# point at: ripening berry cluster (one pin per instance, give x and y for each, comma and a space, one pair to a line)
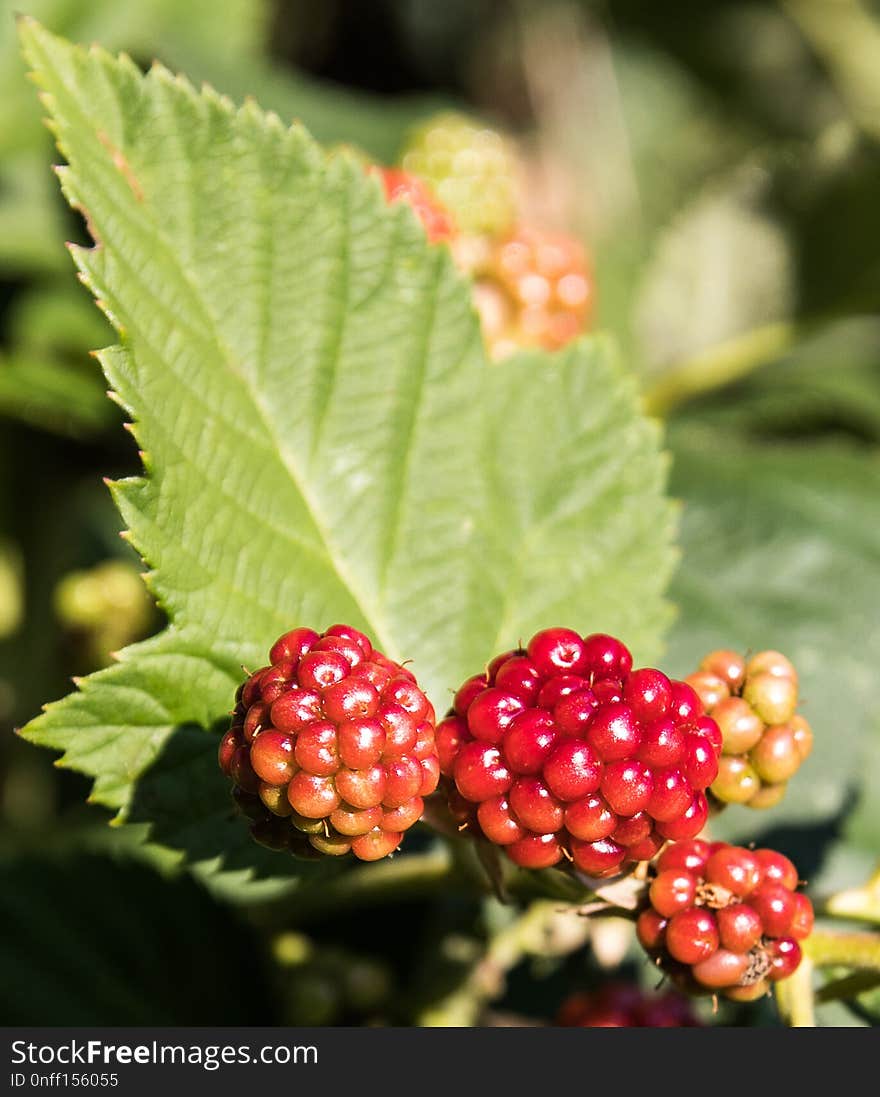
724, 919
331, 747
532, 288
562, 751
625, 1005
472, 170
764, 740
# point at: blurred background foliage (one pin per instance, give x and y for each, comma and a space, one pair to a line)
722, 167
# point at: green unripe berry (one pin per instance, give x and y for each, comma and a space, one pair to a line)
772, 697
775, 757
767, 796
740, 725
737, 781
470, 168
771, 662
708, 687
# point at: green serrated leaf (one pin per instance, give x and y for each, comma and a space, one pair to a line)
322, 435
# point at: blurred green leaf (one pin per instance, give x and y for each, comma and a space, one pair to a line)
827, 383
846, 34
323, 436
93, 941
782, 547
58, 397
722, 268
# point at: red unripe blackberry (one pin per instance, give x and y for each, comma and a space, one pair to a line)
376, 844
590, 819
402, 186
648, 693
498, 823
272, 757
775, 906
685, 704
491, 712
529, 740
535, 851
651, 930
727, 665
600, 858
607, 657
671, 795
785, 956
722, 969
633, 830
519, 676
662, 743
723, 917
230, 742
672, 891
331, 747
692, 935
564, 739
535, 806
777, 867
735, 869
572, 769
613, 732
739, 927
690, 856
801, 924
480, 772
561, 685
627, 786
295, 709
557, 651
621, 1005
689, 823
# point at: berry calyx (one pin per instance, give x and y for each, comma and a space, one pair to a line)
562, 752
725, 919
331, 747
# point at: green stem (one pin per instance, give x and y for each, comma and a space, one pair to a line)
395, 880
718, 366
530, 934
827, 948
794, 996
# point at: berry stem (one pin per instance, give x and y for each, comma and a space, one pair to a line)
719, 366
859, 903
850, 986
827, 948
543, 929
392, 880
794, 997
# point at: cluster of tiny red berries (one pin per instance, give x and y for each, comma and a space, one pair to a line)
402, 186
625, 1005
725, 919
331, 747
531, 287
562, 750
764, 740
